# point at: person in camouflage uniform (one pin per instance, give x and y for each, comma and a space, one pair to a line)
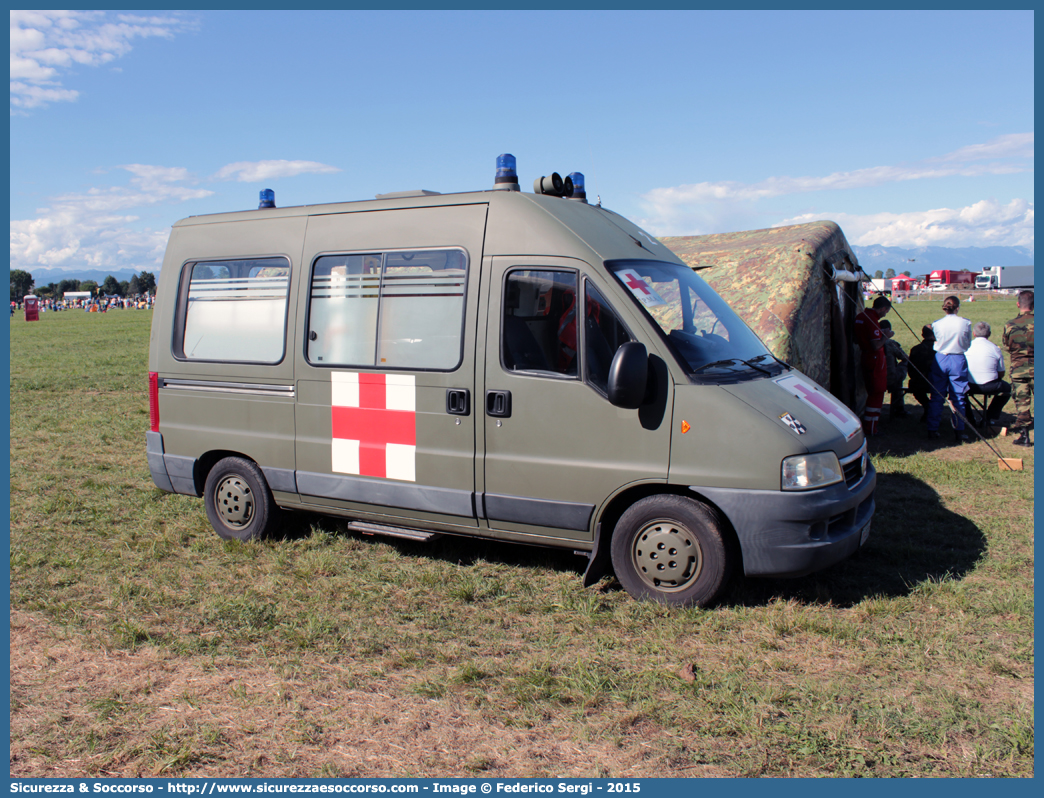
1018, 340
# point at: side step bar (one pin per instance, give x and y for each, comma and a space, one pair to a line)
393, 531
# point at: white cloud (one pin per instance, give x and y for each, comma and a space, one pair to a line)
1014, 145
716, 207
43, 43
96, 229
148, 176
986, 223
99, 227
958, 163
257, 171
35, 96
780, 186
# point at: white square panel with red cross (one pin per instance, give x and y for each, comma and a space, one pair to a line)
374, 425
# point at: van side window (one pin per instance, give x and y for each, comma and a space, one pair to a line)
422, 309
603, 335
343, 310
234, 310
390, 309
539, 330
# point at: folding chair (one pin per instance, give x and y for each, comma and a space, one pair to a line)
978, 402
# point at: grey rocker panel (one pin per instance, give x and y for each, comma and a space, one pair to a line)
386, 493
560, 515
541, 512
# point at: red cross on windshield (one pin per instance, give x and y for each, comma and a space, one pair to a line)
635, 283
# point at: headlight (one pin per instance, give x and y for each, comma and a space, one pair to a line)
807, 471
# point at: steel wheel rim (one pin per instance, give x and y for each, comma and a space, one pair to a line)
234, 501
666, 556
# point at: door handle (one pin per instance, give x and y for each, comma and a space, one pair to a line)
498, 404
458, 401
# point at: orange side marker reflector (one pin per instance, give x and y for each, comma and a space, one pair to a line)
685, 426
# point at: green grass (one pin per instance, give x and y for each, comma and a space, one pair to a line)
908, 317
914, 658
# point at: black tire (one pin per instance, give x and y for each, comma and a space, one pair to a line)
238, 501
671, 549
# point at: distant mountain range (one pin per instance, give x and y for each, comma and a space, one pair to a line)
42, 277
923, 260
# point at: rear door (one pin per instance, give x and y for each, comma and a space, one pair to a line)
224, 348
555, 449
385, 376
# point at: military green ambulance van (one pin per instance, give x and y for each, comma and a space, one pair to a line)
500, 364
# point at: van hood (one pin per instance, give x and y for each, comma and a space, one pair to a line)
737, 435
815, 417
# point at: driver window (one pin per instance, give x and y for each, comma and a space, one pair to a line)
539, 330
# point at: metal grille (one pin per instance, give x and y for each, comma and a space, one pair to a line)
853, 467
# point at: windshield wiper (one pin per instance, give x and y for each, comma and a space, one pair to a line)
729, 362
733, 361
783, 363
754, 360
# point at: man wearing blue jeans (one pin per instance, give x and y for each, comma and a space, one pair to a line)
950, 368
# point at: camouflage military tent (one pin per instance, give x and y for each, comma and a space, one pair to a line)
782, 282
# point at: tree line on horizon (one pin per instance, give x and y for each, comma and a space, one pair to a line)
888, 275
22, 284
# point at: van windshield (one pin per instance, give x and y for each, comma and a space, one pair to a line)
705, 333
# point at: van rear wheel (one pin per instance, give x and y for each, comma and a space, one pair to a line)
671, 549
238, 501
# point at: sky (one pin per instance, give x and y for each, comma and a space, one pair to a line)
908, 129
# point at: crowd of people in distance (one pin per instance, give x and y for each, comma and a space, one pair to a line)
145, 302
115, 303
954, 362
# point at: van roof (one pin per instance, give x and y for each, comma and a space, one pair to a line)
398, 199
518, 223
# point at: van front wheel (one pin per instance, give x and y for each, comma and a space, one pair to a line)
238, 501
671, 549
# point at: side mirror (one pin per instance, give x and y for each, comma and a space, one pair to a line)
628, 375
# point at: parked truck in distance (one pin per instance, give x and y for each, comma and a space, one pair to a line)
997, 277
948, 278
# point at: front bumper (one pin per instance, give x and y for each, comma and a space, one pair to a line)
783, 533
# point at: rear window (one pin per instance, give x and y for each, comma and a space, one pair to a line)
233, 310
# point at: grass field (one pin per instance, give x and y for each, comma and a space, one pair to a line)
142, 645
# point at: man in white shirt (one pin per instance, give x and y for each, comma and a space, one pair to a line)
950, 369
986, 368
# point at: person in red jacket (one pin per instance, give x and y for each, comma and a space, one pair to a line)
871, 342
